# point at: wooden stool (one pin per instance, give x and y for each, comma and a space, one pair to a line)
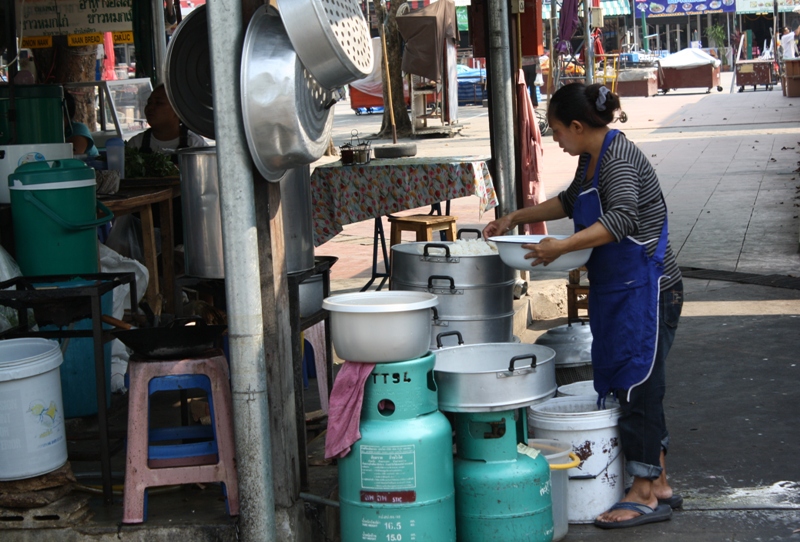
205, 462
577, 294
423, 225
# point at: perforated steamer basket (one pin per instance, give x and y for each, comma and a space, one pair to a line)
287, 114
331, 38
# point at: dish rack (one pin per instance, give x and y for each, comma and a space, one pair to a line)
356, 151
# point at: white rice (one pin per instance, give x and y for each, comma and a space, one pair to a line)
463, 247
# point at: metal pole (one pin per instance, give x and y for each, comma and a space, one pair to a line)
502, 102
240, 252
587, 20
159, 41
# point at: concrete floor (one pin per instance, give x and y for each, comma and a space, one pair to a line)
728, 164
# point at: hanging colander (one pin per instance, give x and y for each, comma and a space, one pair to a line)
331, 38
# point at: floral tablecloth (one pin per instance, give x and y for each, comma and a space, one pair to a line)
348, 194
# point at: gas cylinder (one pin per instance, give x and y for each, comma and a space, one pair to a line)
501, 494
396, 484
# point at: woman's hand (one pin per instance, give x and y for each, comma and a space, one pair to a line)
498, 227
545, 251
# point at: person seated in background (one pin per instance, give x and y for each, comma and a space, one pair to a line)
76, 132
166, 133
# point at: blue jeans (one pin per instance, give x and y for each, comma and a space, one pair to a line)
642, 426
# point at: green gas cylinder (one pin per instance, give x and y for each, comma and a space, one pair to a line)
396, 484
502, 495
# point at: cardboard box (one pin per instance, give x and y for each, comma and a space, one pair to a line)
793, 86
792, 67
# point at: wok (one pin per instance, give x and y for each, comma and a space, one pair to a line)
183, 337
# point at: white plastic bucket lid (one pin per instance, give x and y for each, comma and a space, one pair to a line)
576, 413
23, 358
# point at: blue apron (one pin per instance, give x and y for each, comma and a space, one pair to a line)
623, 297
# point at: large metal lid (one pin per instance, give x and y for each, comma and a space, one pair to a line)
572, 344
188, 75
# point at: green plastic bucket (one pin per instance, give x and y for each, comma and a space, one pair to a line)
39, 112
54, 209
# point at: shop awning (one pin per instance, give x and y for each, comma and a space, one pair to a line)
611, 8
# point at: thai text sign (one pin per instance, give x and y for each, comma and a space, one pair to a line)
80, 17
667, 8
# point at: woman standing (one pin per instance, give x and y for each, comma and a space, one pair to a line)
636, 292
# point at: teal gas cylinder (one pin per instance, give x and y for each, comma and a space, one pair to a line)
396, 484
501, 494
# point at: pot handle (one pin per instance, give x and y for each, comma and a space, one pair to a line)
441, 277
523, 356
447, 334
426, 254
470, 230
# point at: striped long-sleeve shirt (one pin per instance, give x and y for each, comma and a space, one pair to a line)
631, 198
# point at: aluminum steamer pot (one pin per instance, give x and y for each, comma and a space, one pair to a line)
476, 291
494, 376
287, 114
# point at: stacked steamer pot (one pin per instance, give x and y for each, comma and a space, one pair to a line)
476, 291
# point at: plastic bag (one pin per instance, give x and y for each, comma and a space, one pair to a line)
538, 80
9, 270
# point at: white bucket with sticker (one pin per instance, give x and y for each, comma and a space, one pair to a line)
32, 434
598, 481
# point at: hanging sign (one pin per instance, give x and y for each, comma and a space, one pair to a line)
40, 42
669, 8
122, 37
81, 40
79, 17
765, 6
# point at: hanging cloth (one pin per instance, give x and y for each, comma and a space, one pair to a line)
568, 22
623, 298
530, 154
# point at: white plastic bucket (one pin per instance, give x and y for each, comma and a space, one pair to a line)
557, 453
598, 482
32, 433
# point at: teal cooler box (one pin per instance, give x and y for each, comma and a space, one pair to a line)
39, 113
54, 208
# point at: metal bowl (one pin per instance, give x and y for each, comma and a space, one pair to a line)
513, 254
331, 37
381, 327
287, 114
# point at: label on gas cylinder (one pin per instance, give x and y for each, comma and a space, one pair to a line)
388, 528
388, 467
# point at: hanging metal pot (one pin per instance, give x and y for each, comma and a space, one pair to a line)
187, 78
287, 114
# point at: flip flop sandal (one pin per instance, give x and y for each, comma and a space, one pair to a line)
662, 512
674, 502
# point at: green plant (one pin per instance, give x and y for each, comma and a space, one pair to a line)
716, 33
